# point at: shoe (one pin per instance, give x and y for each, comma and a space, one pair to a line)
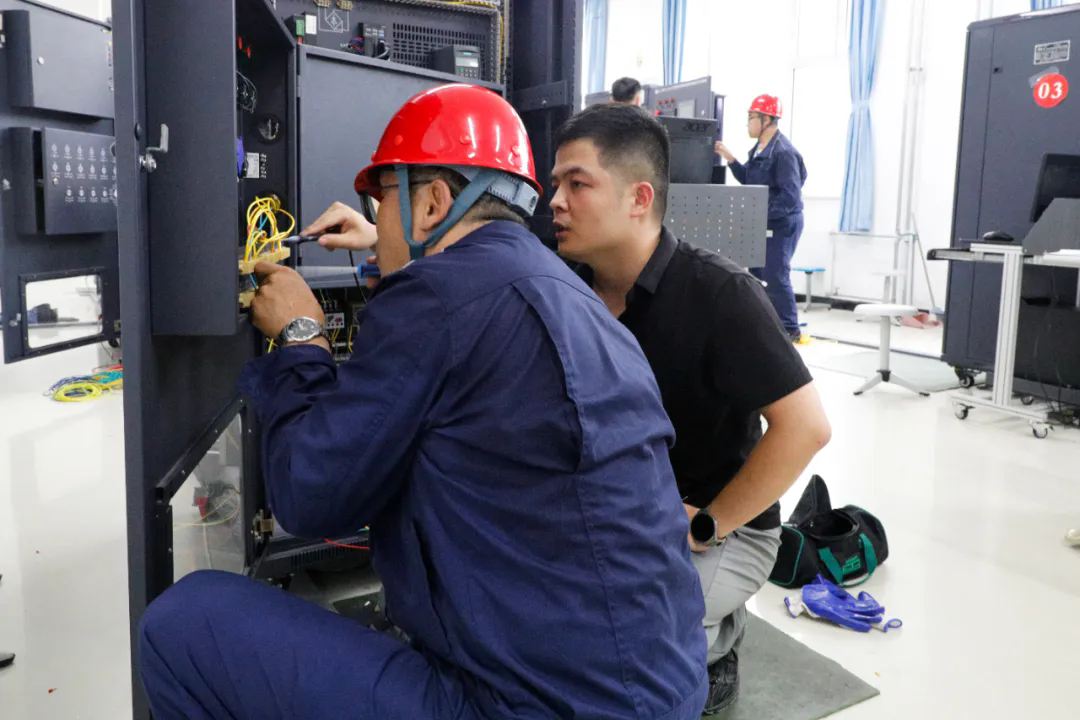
6, 659
723, 683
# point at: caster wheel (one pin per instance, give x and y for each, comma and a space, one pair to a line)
1040, 431
1027, 399
961, 412
966, 381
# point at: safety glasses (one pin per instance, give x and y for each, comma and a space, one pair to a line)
369, 200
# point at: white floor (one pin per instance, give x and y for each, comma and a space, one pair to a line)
975, 512
845, 326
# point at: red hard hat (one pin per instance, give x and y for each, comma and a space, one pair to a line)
453, 125
768, 105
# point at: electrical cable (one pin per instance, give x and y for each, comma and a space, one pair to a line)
232, 498
81, 388
352, 262
343, 545
262, 227
247, 95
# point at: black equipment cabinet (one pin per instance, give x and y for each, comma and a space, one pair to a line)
57, 201
1005, 137
189, 65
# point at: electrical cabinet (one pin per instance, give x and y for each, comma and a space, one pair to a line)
1006, 131
57, 181
264, 99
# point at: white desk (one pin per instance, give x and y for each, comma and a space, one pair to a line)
1013, 259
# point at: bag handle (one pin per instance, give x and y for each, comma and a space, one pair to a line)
837, 572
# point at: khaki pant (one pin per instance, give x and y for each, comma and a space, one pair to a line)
730, 575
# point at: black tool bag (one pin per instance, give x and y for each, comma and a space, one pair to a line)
845, 545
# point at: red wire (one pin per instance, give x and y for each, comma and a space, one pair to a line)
351, 547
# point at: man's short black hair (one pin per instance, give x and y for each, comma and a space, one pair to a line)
625, 90
630, 141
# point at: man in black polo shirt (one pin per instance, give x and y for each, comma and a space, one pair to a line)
721, 358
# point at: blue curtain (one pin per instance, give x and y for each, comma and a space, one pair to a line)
857, 201
674, 36
596, 32
1046, 4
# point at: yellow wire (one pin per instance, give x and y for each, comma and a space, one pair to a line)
258, 239
86, 391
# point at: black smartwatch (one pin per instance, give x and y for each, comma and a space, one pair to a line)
703, 529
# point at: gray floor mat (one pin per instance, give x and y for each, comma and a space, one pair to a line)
782, 679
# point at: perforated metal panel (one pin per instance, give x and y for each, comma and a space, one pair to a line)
413, 27
729, 220
410, 44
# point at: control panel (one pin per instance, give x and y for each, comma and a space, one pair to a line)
691, 99
65, 181
460, 60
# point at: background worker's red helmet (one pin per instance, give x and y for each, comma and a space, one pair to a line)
768, 105
457, 126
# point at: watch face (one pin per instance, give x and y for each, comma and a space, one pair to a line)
703, 528
301, 329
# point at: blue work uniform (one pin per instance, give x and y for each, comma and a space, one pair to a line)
781, 168
504, 437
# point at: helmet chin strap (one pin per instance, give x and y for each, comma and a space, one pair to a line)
464, 202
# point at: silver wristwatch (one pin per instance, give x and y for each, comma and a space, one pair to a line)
302, 329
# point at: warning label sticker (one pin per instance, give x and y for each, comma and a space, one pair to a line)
1048, 53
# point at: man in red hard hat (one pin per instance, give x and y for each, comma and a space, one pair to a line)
505, 440
776, 163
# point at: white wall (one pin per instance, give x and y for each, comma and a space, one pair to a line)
634, 41
97, 9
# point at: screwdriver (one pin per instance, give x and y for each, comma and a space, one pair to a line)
301, 239
321, 272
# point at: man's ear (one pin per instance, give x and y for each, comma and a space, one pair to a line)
644, 195
431, 204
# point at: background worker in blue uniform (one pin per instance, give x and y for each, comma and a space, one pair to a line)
505, 440
721, 358
775, 162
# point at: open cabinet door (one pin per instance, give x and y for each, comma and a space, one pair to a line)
191, 442
58, 261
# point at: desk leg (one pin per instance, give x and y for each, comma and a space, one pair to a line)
1008, 324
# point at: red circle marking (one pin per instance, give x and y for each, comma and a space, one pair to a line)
1051, 90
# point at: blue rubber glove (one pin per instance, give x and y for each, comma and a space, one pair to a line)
823, 599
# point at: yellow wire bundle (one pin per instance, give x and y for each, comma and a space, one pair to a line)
87, 387
262, 227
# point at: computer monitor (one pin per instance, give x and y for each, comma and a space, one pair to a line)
597, 98
692, 149
1058, 178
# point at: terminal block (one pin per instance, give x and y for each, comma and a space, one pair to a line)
247, 267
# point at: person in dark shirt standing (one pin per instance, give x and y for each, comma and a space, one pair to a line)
775, 162
720, 355
627, 91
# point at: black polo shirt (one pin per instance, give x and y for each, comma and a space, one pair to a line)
719, 354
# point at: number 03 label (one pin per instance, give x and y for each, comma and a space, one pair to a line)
1051, 90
